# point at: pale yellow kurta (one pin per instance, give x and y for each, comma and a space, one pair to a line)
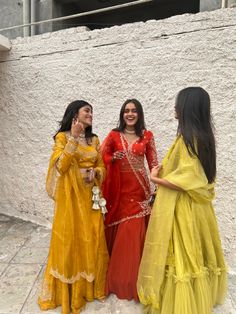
78, 257
182, 269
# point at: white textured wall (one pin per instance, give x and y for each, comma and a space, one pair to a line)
150, 61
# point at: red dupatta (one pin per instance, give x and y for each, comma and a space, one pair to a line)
112, 184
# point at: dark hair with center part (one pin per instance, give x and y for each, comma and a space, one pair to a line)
140, 124
195, 125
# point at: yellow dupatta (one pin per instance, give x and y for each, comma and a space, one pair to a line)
72, 245
186, 172
78, 256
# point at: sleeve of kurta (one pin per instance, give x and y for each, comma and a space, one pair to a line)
151, 152
189, 173
65, 151
107, 149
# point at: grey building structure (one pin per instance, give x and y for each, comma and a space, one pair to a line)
18, 12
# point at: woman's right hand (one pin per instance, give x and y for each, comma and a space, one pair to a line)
119, 154
76, 128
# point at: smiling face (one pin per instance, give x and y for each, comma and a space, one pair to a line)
130, 115
85, 115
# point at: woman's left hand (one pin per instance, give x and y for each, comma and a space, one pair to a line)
89, 178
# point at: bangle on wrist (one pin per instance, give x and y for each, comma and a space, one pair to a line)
72, 138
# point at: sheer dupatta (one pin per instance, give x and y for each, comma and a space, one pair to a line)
186, 172
127, 187
73, 208
111, 185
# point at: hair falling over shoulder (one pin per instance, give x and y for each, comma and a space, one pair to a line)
195, 126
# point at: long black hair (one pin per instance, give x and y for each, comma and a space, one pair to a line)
140, 125
195, 125
71, 113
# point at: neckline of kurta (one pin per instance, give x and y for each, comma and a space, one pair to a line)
129, 144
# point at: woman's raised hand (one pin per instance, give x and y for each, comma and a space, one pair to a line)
76, 128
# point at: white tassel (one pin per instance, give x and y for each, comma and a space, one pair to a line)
96, 197
96, 205
102, 204
97, 201
95, 190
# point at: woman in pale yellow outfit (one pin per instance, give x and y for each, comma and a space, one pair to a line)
78, 257
182, 269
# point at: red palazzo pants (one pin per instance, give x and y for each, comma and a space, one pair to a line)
125, 243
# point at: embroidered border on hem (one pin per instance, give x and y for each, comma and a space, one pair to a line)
139, 215
73, 279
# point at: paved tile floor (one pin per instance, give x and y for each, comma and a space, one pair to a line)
23, 253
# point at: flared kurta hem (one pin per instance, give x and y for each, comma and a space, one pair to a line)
195, 293
71, 297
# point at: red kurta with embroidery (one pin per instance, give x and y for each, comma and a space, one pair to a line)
126, 187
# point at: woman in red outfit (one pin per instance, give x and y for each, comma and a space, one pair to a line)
127, 191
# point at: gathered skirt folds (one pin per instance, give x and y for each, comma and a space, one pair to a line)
195, 277
72, 294
125, 243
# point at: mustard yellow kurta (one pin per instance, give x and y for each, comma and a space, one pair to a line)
182, 269
78, 257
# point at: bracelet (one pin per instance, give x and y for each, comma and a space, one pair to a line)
72, 138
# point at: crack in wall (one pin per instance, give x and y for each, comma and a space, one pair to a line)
161, 36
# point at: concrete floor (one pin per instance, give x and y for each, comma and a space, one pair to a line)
23, 253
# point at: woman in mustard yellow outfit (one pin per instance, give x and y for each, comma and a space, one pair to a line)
78, 257
183, 269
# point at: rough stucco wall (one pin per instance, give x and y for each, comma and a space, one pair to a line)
150, 61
